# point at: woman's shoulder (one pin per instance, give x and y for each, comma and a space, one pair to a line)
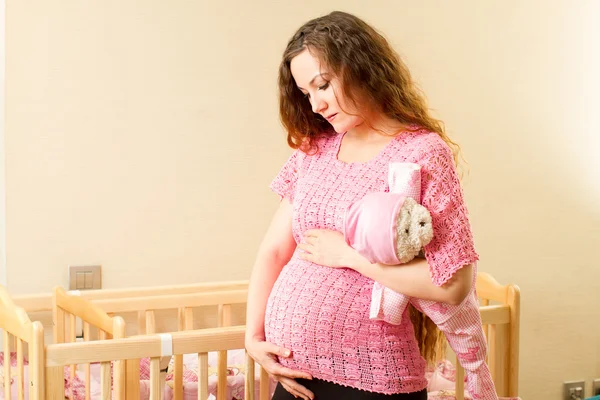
423, 144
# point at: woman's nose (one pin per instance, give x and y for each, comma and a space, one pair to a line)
318, 104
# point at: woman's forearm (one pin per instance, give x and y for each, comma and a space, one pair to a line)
413, 279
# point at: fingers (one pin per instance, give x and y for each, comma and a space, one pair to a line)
308, 257
296, 389
284, 372
276, 350
291, 390
306, 247
275, 368
266, 353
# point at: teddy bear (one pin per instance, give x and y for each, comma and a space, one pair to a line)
407, 225
392, 228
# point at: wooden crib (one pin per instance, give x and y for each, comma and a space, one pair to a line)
69, 306
499, 311
96, 311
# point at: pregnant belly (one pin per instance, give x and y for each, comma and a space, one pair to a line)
321, 314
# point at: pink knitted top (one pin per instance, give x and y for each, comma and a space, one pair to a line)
322, 313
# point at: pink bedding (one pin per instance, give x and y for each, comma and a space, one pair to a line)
14, 384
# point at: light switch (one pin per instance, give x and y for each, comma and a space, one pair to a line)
80, 280
89, 280
85, 277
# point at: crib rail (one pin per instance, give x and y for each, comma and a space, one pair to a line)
199, 342
17, 332
43, 302
172, 301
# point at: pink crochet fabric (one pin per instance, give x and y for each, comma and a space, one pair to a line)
322, 313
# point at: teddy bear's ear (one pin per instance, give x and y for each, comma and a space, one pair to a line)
409, 203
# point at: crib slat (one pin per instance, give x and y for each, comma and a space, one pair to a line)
6, 364
224, 319
150, 322
55, 383
222, 375
162, 383
119, 366
203, 376
498, 351
105, 382
492, 352
88, 375
37, 363
178, 363
72, 326
511, 371
264, 385
460, 381
132, 379
189, 318
224, 315
141, 322
71, 339
20, 370
178, 377
59, 325
186, 323
249, 384
133, 366
155, 379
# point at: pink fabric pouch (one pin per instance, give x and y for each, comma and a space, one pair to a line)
370, 226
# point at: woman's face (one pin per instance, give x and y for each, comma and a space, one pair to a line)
320, 87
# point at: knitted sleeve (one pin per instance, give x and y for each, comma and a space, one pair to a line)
452, 246
284, 183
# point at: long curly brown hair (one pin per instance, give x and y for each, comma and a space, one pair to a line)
375, 79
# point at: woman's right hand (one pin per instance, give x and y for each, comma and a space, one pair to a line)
265, 354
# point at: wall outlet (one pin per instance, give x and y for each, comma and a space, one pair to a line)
574, 390
596, 387
85, 277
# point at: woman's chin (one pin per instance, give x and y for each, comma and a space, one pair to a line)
339, 128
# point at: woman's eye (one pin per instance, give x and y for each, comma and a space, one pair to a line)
325, 86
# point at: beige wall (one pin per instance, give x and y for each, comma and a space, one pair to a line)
2, 151
143, 136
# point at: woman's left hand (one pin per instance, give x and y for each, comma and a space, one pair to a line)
327, 248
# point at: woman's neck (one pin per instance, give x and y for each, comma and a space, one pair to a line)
375, 128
